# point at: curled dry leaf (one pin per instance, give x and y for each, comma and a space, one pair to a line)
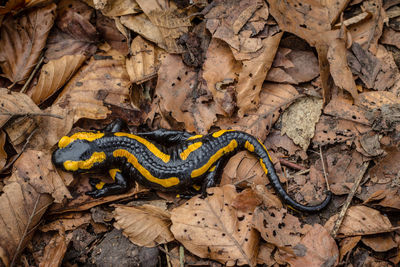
102, 82
361, 220
18, 103
53, 76
181, 94
317, 248
274, 98
144, 225
221, 232
21, 208
22, 41
298, 121
145, 60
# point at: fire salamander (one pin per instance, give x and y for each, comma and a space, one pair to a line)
181, 163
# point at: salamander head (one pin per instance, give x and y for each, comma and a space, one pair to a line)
77, 155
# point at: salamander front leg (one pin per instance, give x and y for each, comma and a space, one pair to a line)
102, 189
115, 126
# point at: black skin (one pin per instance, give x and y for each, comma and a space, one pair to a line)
173, 143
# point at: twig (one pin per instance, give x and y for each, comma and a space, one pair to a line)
346, 205
167, 255
303, 172
32, 114
181, 256
323, 168
24, 88
291, 165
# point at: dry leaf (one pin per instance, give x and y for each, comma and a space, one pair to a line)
380, 243
145, 61
265, 254
220, 232
298, 121
108, 28
361, 220
22, 41
253, 74
55, 249
102, 82
274, 98
144, 225
116, 8
343, 108
67, 223
53, 76
3, 154
317, 248
347, 244
390, 37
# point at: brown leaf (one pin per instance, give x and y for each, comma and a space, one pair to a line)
246, 201
99, 84
343, 108
182, 95
253, 74
279, 227
390, 37
67, 223
265, 254
55, 249
116, 7
298, 121
380, 243
3, 154
347, 244
22, 41
361, 220
11, 5
144, 225
144, 62
220, 231
21, 208
274, 98
53, 76
316, 248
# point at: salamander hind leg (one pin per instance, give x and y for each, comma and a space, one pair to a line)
212, 176
101, 189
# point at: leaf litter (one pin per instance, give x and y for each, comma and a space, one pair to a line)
243, 65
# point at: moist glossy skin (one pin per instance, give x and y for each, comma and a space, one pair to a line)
163, 160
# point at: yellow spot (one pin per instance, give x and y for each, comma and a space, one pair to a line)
249, 146
195, 137
66, 140
212, 169
167, 182
220, 132
153, 149
100, 185
203, 169
263, 166
96, 157
185, 153
113, 172
196, 187
178, 196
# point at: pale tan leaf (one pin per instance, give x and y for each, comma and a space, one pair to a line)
221, 232
53, 76
102, 82
144, 225
298, 121
145, 61
361, 220
22, 41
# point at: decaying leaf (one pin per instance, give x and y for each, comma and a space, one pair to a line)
316, 248
380, 243
220, 231
298, 121
53, 76
145, 61
22, 41
145, 225
361, 220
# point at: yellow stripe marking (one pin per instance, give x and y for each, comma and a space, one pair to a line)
96, 157
212, 169
167, 182
196, 187
249, 146
185, 153
195, 137
66, 140
266, 150
100, 185
153, 149
263, 166
229, 148
113, 172
220, 132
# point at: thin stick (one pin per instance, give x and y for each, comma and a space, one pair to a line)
323, 168
32, 114
25, 87
346, 205
291, 164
